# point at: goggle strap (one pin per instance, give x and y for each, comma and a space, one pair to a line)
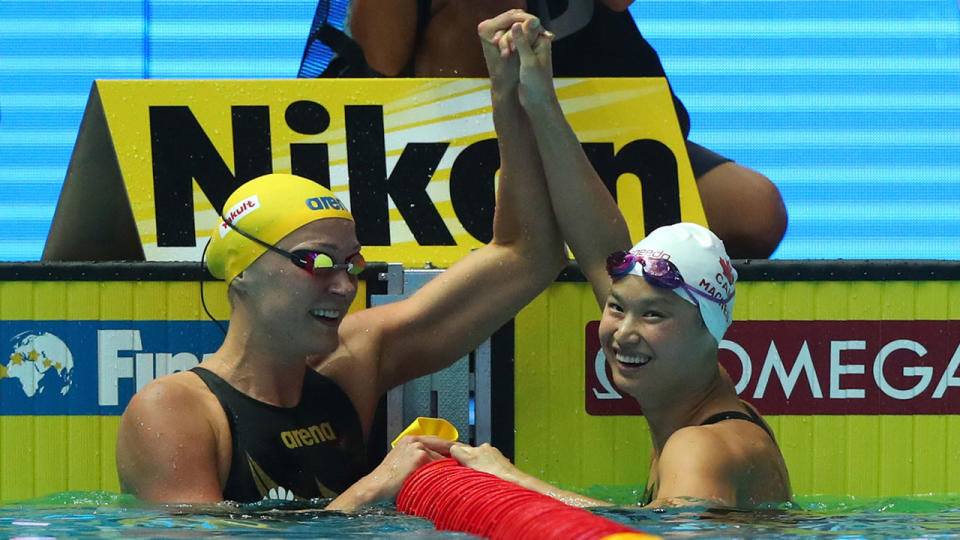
351, 268
271, 247
710, 297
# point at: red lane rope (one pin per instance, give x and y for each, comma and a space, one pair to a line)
458, 498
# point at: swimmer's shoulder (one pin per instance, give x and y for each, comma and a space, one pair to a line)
173, 441
700, 448
735, 440
177, 402
355, 364
360, 340
181, 389
695, 464
717, 462
756, 462
723, 449
363, 337
735, 451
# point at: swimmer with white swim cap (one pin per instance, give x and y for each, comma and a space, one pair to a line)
284, 408
667, 302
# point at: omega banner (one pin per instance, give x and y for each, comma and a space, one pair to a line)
415, 160
820, 367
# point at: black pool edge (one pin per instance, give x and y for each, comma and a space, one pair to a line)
747, 269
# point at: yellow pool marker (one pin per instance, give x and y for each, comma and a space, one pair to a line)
629, 536
424, 425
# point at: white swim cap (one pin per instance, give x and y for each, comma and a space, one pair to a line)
704, 265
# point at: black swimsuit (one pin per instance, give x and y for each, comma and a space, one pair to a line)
750, 416
313, 450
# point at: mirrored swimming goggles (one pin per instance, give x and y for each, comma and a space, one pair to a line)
660, 273
314, 262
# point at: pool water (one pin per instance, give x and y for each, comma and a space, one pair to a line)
108, 515
807, 517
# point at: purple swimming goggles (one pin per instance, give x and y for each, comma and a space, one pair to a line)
658, 272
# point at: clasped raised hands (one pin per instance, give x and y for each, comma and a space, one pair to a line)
517, 50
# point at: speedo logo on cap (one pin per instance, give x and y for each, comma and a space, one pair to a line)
653, 253
238, 212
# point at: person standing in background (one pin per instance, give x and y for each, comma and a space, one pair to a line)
593, 38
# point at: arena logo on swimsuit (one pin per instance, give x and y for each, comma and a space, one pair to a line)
308, 436
822, 367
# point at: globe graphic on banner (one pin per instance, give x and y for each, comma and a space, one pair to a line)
41, 362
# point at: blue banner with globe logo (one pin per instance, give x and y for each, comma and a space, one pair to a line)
93, 367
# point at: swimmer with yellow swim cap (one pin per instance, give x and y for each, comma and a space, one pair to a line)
667, 302
263, 211
284, 408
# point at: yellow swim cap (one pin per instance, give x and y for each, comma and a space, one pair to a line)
268, 208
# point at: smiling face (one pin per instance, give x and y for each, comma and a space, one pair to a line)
653, 339
290, 310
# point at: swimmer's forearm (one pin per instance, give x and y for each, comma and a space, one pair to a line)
486, 458
523, 212
523, 218
535, 484
590, 221
360, 493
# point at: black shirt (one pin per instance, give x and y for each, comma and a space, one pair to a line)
593, 40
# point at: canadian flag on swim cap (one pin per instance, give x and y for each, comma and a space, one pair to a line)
703, 262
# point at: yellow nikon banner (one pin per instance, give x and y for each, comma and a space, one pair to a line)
415, 159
